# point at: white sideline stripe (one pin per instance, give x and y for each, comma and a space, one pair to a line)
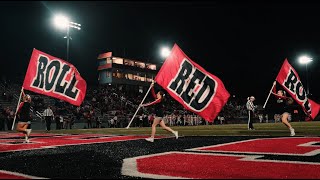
252, 158
21, 175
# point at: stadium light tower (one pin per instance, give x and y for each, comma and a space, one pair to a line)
306, 60
63, 22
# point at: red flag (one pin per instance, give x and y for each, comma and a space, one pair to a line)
191, 85
54, 77
290, 81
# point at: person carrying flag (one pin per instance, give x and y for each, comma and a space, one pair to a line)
283, 103
25, 116
158, 106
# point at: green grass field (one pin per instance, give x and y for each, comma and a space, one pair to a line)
262, 129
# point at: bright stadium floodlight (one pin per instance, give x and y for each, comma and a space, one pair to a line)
165, 52
63, 22
305, 60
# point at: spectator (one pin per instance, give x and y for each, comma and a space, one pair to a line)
2, 119
10, 118
112, 123
67, 122
98, 122
141, 120
87, 116
48, 115
61, 121
145, 120
115, 118
58, 124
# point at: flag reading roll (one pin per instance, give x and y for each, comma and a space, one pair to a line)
191, 85
289, 79
54, 77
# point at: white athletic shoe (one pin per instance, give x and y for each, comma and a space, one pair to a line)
150, 139
176, 134
26, 139
292, 133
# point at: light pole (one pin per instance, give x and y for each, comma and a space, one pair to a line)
306, 60
63, 22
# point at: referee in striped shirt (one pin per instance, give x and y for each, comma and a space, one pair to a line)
48, 115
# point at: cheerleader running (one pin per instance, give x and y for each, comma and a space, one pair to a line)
158, 114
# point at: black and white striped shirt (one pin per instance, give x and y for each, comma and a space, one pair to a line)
47, 112
250, 105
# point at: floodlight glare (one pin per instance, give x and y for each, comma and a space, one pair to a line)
305, 60
165, 52
61, 21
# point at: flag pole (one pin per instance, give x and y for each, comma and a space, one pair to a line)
274, 83
15, 114
139, 106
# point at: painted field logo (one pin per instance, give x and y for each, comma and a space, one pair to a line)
51, 77
193, 86
248, 159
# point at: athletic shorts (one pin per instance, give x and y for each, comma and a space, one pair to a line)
158, 117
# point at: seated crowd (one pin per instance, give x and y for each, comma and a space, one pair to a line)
114, 106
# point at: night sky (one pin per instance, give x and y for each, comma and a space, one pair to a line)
243, 43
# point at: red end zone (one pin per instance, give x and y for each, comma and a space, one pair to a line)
14, 175
210, 165
216, 166
14, 141
299, 146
